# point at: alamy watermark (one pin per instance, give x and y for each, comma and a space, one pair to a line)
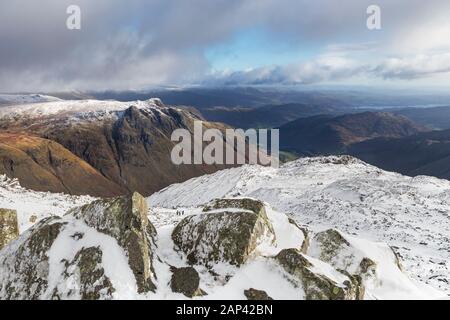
73, 22
374, 17
236, 147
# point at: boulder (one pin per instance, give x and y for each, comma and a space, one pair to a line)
186, 281
125, 219
9, 229
258, 295
318, 280
229, 234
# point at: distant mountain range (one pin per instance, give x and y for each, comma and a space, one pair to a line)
389, 141
269, 116
425, 153
254, 97
328, 135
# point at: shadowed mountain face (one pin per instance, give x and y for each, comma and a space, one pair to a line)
426, 153
126, 150
327, 135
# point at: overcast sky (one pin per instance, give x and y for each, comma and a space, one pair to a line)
136, 44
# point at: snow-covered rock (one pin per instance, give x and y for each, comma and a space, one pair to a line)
102, 250
318, 280
125, 219
108, 249
229, 231
375, 265
411, 215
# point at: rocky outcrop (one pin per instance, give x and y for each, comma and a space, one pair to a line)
317, 284
125, 219
107, 250
332, 247
87, 254
225, 235
258, 295
365, 262
9, 229
25, 266
186, 281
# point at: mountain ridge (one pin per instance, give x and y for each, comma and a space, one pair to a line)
124, 142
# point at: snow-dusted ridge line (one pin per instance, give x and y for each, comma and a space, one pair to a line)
78, 108
15, 99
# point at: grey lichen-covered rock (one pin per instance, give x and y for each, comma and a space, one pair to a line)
125, 219
9, 229
87, 266
258, 295
186, 281
316, 285
25, 265
228, 234
253, 205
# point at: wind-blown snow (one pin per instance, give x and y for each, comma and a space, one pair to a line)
410, 214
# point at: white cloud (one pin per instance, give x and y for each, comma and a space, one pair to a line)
133, 44
414, 67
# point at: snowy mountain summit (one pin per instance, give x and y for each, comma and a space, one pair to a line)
232, 248
409, 214
316, 228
